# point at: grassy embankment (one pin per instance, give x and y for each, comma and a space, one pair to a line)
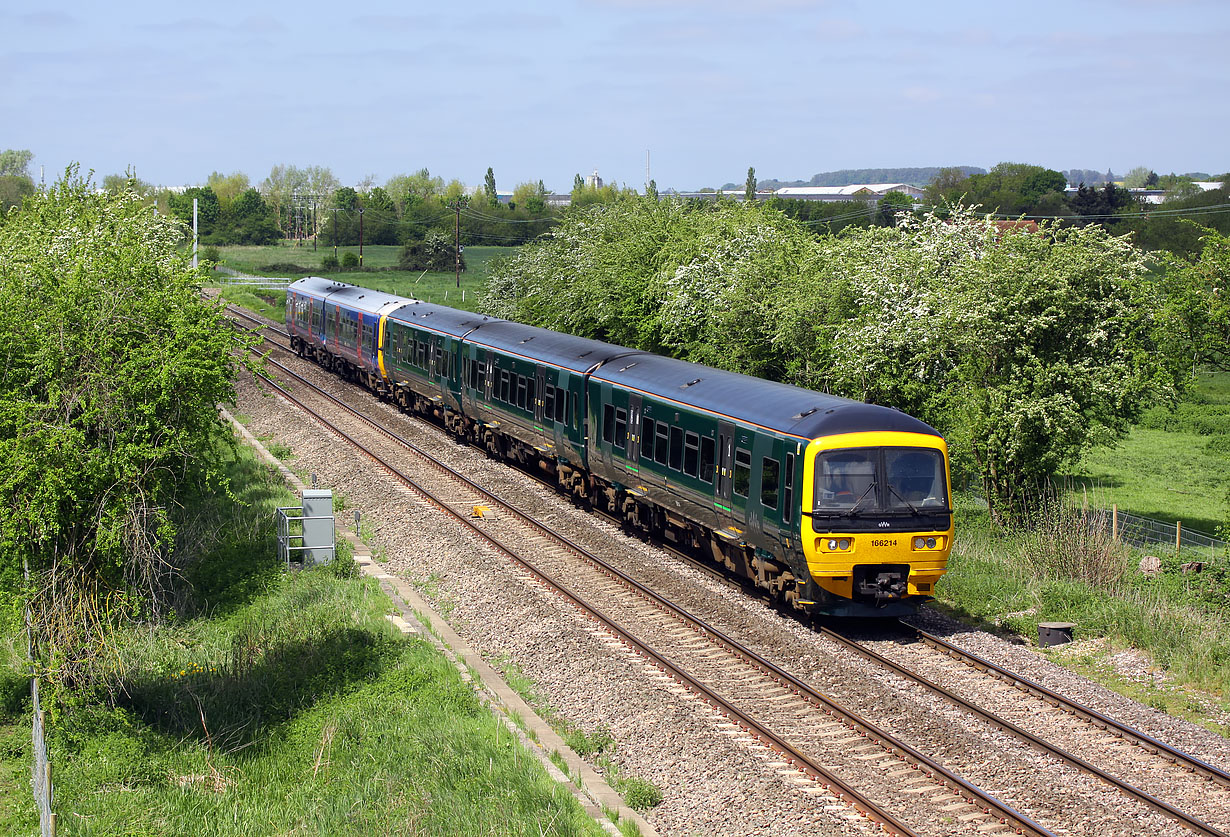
1174, 466
431, 287
277, 703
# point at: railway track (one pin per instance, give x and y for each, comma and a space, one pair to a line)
817, 740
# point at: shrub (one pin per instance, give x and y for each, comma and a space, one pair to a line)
211, 254
349, 260
330, 262
435, 252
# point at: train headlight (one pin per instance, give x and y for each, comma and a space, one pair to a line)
832, 545
919, 543
843, 544
930, 543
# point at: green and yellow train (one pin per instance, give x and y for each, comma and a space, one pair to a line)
835, 507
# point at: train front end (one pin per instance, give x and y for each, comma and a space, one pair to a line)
877, 521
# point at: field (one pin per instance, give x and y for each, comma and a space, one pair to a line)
1174, 466
432, 287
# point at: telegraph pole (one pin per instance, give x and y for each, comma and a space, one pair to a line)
335, 233
457, 238
360, 236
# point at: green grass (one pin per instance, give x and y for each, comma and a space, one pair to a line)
1175, 466
1004, 581
279, 703
432, 287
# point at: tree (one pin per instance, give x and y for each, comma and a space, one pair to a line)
948, 186
1139, 178
493, 199
891, 205
13, 190
379, 218
435, 252
651, 191
1197, 303
1012, 188
209, 210
749, 187
407, 190
114, 366
578, 182
228, 186
14, 163
248, 220
1024, 347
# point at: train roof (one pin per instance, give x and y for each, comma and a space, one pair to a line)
352, 296
577, 354
441, 318
780, 407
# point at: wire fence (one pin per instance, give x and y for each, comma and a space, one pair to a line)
1146, 531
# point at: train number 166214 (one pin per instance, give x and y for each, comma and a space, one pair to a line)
883, 541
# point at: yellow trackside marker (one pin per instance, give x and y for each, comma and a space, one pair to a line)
480, 512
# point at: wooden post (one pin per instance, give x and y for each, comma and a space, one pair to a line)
1178, 535
1114, 522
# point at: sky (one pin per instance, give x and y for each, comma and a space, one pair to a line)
701, 89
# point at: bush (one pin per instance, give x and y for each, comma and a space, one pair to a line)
349, 260
435, 252
330, 262
211, 254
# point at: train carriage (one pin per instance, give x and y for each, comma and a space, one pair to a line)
339, 325
421, 356
747, 471
535, 389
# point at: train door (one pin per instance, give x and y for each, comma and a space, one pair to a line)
540, 395
633, 451
725, 470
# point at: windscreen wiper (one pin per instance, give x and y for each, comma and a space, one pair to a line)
908, 504
850, 511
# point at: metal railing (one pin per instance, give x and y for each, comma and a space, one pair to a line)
291, 539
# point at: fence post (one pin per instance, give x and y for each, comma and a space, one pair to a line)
1114, 522
1178, 535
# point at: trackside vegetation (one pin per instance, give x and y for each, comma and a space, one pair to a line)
113, 364
278, 703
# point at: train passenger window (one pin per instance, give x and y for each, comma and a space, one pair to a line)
576, 413
608, 423
548, 401
706, 459
521, 391
561, 406
621, 428
788, 487
662, 448
743, 472
691, 454
770, 474
531, 387
646, 438
504, 386
676, 460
